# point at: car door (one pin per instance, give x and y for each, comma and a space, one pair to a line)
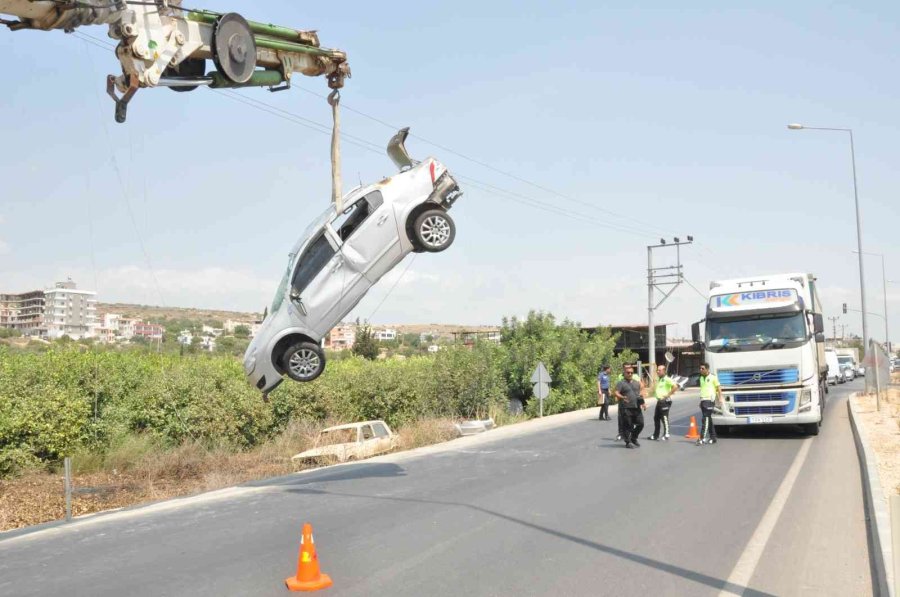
369, 441
318, 283
383, 436
374, 245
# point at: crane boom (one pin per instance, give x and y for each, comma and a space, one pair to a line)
162, 44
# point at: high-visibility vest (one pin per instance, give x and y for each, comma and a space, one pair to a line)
709, 386
663, 386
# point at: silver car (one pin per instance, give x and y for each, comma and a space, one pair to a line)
341, 255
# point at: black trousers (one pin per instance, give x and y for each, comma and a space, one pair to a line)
634, 424
661, 418
707, 429
604, 408
621, 420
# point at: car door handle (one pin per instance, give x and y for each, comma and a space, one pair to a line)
337, 265
383, 219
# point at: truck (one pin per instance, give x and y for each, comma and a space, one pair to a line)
764, 340
850, 356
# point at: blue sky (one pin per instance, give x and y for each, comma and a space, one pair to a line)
661, 121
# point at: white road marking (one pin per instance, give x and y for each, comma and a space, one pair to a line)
746, 565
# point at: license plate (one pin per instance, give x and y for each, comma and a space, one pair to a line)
760, 420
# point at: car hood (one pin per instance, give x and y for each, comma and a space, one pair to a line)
337, 450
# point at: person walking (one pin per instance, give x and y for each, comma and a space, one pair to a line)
665, 387
621, 409
603, 392
710, 398
631, 403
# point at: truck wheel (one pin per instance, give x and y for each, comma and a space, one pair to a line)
811, 429
303, 361
434, 230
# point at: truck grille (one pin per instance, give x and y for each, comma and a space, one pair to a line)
730, 377
765, 409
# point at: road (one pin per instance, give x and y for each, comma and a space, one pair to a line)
561, 510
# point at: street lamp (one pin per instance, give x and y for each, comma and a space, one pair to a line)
862, 278
884, 281
657, 277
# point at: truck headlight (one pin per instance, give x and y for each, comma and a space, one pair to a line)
805, 397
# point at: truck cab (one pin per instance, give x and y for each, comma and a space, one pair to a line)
763, 340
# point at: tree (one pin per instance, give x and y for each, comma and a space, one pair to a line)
365, 344
241, 331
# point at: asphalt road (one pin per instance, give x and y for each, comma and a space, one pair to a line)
561, 510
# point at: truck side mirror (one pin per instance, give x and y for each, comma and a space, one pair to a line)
818, 323
695, 332
820, 337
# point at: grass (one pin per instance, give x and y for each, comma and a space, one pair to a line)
139, 468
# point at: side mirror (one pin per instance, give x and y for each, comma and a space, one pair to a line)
818, 323
820, 337
295, 297
695, 332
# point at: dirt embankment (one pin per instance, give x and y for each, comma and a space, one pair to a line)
882, 430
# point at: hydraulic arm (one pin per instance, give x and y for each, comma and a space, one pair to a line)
162, 44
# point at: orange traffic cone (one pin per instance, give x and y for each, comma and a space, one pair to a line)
308, 576
692, 431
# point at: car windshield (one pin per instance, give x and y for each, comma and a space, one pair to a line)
337, 436
756, 333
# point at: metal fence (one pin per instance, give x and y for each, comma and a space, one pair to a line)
878, 370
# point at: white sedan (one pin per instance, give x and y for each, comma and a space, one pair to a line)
341, 255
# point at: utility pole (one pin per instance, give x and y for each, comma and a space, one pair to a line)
834, 327
657, 277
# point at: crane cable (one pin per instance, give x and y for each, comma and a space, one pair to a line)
334, 100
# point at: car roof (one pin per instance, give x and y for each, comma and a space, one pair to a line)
352, 425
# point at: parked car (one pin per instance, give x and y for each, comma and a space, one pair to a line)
353, 441
341, 255
849, 373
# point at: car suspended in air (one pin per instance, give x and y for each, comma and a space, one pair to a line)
342, 254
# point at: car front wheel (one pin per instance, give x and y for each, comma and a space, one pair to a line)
303, 361
434, 230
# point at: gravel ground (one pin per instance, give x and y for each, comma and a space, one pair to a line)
883, 432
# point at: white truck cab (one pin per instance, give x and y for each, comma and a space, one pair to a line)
764, 341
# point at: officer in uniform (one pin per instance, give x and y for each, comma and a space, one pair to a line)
628, 391
710, 397
665, 387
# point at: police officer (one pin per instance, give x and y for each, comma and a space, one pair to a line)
665, 387
710, 397
603, 392
631, 403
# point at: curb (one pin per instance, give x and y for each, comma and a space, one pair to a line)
878, 518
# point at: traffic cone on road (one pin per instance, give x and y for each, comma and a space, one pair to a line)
692, 431
308, 576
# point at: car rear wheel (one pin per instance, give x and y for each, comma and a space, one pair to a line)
434, 230
303, 361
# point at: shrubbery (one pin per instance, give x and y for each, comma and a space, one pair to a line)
74, 398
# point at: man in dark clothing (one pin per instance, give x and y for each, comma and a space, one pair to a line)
603, 392
628, 391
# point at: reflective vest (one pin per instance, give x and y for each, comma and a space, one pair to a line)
709, 387
663, 386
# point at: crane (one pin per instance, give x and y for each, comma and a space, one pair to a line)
161, 44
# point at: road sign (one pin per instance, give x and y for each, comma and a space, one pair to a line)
541, 380
541, 390
540, 374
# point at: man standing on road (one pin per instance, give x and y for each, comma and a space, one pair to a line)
665, 387
628, 391
710, 398
603, 392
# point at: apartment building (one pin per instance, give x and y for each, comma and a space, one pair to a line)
342, 337
386, 335
69, 311
23, 312
151, 331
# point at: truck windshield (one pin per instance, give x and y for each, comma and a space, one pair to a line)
760, 332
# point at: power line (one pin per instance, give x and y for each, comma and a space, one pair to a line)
688, 282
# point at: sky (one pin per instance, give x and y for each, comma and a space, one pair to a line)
581, 131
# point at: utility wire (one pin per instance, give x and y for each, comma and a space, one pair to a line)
688, 282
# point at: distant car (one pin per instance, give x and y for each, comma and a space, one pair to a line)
353, 441
849, 373
341, 255
861, 371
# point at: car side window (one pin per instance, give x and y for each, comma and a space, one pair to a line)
349, 220
367, 432
380, 431
311, 263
